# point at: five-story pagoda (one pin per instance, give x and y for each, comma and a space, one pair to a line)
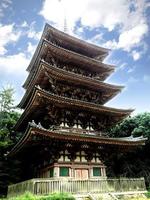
64, 120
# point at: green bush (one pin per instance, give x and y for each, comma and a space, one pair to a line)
58, 196
148, 193
26, 196
55, 196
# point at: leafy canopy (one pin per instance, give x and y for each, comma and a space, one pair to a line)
6, 99
8, 118
137, 125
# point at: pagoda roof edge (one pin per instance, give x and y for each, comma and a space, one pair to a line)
43, 43
73, 74
23, 139
81, 105
75, 39
34, 128
76, 100
106, 66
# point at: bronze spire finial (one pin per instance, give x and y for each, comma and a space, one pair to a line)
65, 29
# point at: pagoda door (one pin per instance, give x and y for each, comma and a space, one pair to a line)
81, 173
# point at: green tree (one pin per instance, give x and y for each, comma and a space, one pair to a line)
137, 162
8, 118
6, 99
137, 125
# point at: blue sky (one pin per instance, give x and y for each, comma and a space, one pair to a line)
120, 25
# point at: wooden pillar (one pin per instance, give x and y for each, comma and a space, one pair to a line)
90, 172
103, 171
72, 172
56, 171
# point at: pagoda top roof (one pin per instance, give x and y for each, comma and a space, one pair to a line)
34, 129
46, 46
74, 43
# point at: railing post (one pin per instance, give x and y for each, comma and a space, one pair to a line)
46, 186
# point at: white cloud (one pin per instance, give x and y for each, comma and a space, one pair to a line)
94, 13
34, 35
24, 24
131, 38
13, 70
98, 38
55, 11
31, 48
128, 18
3, 6
31, 33
14, 64
108, 14
91, 13
111, 44
136, 55
7, 35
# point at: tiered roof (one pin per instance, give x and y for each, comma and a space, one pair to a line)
61, 39
34, 129
45, 70
41, 98
61, 62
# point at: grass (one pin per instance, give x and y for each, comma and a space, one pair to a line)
55, 196
64, 196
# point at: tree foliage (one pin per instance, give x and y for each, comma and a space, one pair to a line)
6, 99
8, 138
136, 126
137, 162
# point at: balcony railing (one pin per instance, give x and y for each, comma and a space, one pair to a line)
47, 186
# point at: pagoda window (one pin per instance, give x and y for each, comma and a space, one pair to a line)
96, 171
64, 171
51, 172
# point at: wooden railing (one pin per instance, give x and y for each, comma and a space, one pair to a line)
46, 186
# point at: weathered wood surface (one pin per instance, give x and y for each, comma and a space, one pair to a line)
46, 186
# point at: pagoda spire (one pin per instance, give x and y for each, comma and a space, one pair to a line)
65, 28
65, 24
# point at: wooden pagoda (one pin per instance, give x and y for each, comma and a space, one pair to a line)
64, 121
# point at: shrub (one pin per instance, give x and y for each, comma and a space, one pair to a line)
55, 196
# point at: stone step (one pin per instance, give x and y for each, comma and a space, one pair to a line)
110, 195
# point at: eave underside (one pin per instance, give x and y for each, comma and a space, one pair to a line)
42, 99
46, 71
46, 48
71, 42
35, 133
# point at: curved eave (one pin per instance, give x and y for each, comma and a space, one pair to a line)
35, 130
60, 74
37, 51
86, 105
38, 94
76, 58
73, 41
